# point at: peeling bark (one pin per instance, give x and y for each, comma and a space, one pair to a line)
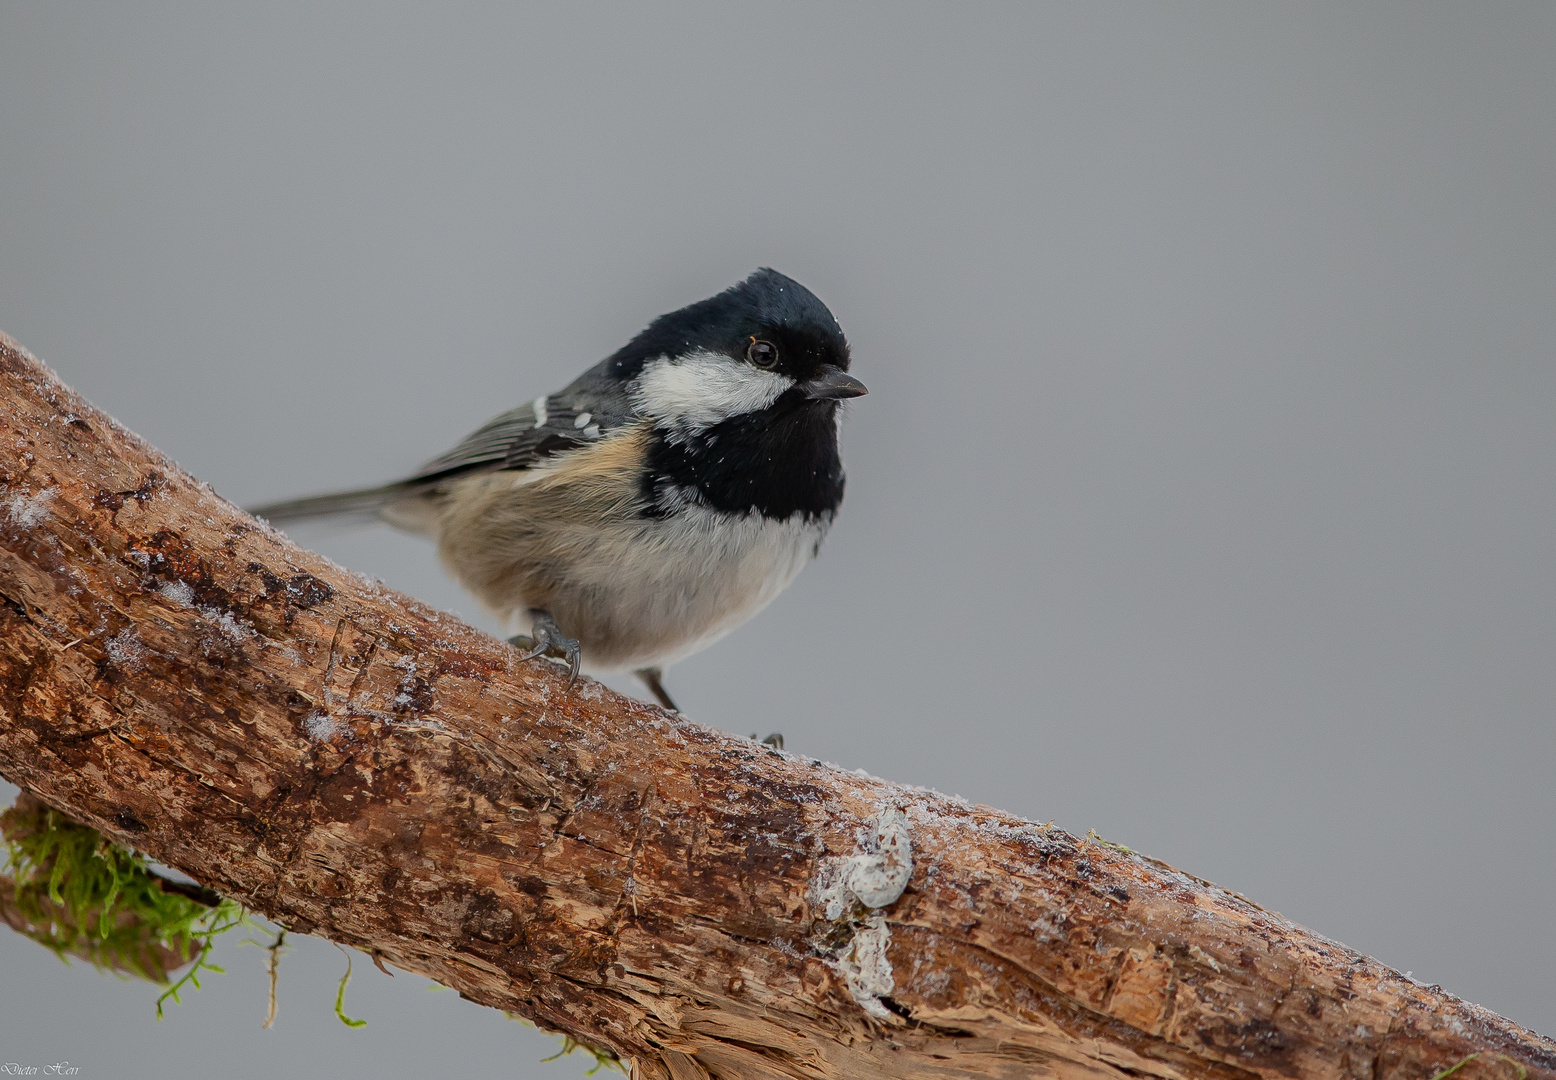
356, 765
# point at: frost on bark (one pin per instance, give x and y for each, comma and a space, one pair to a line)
356, 765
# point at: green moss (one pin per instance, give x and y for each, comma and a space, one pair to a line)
67, 887
340, 997
1523, 1073
73, 891
1092, 836
603, 1059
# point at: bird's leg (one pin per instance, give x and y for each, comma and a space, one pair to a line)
651, 677
545, 637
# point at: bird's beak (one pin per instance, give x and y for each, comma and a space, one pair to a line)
833, 383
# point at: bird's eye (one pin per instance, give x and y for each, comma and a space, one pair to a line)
762, 353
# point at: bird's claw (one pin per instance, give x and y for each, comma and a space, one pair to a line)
546, 639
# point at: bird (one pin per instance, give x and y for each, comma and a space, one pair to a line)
658, 501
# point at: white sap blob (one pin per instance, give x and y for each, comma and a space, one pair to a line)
875, 878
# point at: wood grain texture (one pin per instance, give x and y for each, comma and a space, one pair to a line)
356, 765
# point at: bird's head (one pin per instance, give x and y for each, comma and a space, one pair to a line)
765, 344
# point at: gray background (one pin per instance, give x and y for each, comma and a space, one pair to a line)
1203, 496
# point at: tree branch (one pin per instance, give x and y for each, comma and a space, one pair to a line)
356, 765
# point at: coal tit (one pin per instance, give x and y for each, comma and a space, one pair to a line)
664, 497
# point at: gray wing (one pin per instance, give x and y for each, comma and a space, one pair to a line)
585, 412
588, 410
488, 446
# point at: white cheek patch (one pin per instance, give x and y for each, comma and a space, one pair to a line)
693, 392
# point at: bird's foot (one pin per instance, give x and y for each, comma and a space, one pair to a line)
652, 677
546, 639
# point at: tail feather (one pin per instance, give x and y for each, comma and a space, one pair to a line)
361, 505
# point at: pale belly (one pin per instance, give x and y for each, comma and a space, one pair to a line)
636, 592
678, 585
